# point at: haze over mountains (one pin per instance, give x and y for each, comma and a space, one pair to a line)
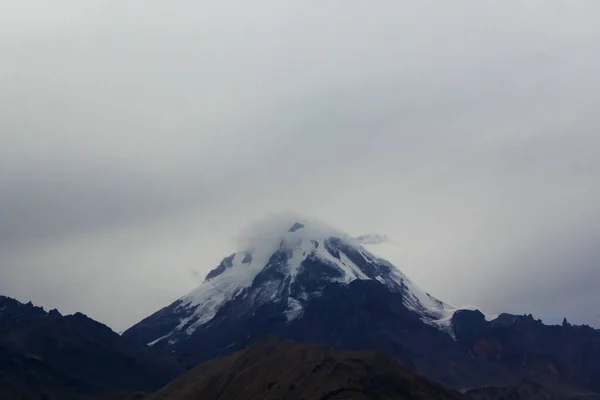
454, 144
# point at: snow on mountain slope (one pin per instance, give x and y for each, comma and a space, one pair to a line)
290, 260
383, 246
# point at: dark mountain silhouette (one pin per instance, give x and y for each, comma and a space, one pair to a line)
564, 358
57, 356
14, 314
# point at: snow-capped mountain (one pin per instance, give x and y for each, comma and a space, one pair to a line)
304, 280
290, 263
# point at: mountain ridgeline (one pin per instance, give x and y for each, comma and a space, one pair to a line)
45, 355
303, 311
311, 283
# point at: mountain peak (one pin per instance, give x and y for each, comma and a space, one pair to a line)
273, 229
296, 226
285, 263
279, 244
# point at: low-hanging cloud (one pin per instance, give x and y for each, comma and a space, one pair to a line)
137, 141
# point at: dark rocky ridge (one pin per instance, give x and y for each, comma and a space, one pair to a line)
57, 356
564, 358
15, 315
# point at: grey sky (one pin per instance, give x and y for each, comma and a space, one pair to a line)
138, 138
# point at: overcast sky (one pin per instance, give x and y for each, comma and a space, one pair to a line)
138, 138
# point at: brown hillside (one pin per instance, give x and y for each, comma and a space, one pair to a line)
280, 369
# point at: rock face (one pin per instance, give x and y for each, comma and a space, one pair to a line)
15, 315
276, 369
563, 358
311, 283
47, 354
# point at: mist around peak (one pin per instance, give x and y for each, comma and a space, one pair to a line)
272, 229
